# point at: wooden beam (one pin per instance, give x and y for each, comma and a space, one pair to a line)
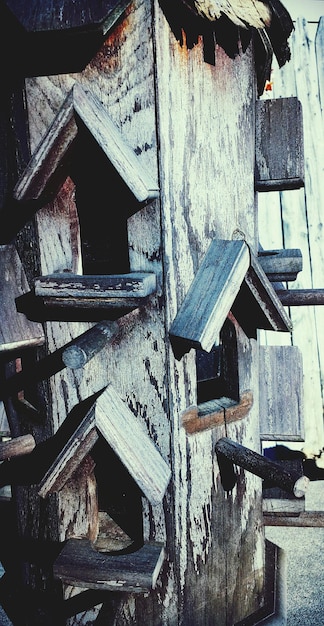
80, 565
303, 519
301, 297
212, 293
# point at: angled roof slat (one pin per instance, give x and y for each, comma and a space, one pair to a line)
49, 165
228, 279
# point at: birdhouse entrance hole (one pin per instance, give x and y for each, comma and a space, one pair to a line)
217, 370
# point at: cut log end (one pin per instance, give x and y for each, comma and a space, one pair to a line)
301, 486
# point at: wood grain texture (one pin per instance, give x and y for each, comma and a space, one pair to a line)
80, 565
279, 144
282, 377
119, 286
16, 331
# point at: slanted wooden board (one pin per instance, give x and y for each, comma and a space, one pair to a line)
211, 294
127, 437
80, 565
281, 265
279, 145
257, 304
228, 279
16, 330
49, 165
281, 393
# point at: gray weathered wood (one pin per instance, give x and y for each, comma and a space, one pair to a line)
281, 265
48, 167
281, 378
87, 345
70, 457
80, 565
17, 446
301, 297
279, 144
216, 290
291, 481
135, 284
212, 294
127, 437
16, 330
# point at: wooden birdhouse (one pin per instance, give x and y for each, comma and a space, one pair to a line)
135, 216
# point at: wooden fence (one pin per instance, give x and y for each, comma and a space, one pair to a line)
295, 219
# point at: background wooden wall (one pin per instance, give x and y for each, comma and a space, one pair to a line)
294, 219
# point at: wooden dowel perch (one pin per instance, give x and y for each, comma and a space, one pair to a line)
87, 345
301, 297
288, 480
17, 447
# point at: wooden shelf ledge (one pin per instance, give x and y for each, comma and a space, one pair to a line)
80, 565
215, 413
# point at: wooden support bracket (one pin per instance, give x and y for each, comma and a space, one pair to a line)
230, 453
80, 565
301, 297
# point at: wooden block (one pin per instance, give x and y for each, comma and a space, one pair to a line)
281, 393
49, 165
281, 265
127, 437
80, 565
135, 284
211, 294
16, 330
279, 144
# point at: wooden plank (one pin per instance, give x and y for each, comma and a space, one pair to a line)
304, 519
212, 292
74, 450
117, 150
281, 265
257, 304
127, 437
16, 330
281, 393
319, 51
200, 418
135, 284
279, 144
47, 168
79, 564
